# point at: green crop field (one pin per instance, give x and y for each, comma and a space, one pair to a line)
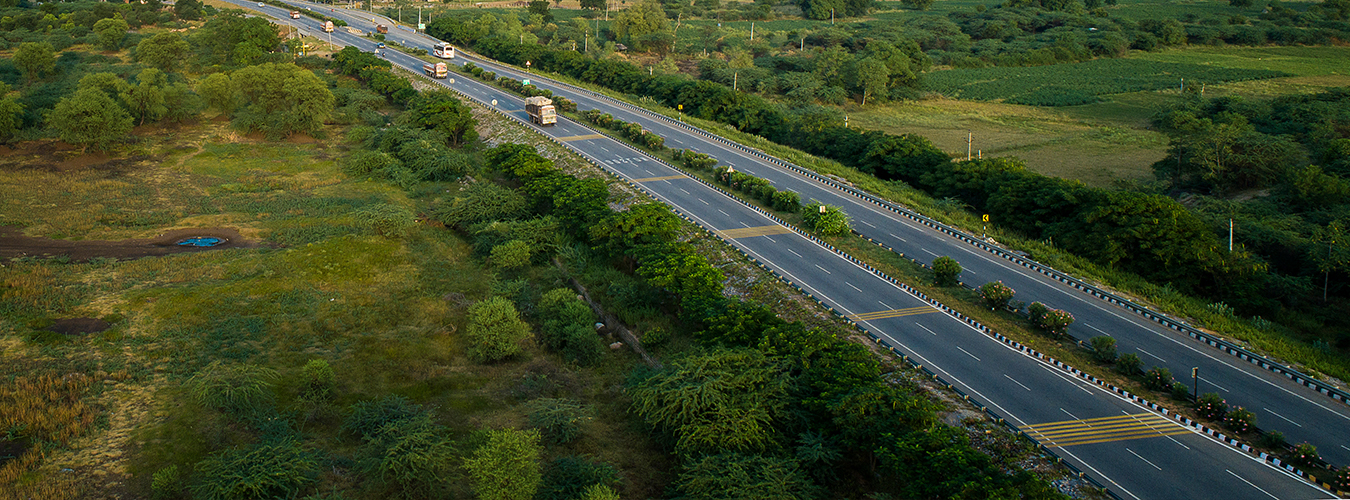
1080, 83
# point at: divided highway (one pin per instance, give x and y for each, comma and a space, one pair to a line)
1133, 451
1279, 403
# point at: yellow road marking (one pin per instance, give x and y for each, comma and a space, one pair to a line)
661, 178
892, 313
580, 137
1103, 430
750, 232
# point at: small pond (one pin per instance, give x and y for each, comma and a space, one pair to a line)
200, 241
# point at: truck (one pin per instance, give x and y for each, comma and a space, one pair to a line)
355, 31
327, 26
295, 14
541, 110
437, 70
380, 28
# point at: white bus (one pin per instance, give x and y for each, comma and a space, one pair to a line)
444, 50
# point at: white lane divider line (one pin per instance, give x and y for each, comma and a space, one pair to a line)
794, 252
724, 213
853, 287
686, 191
925, 328
1142, 458
883, 304
1151, 354
1249, 483
1205, 380
1016, 382
1286, 419
823, 269
968, 353
929, 252
865, 222
898, 238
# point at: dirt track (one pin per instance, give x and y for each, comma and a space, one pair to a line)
13, 244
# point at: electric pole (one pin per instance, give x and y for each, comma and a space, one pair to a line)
970, 138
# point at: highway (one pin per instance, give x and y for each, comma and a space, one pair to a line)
1135, 452
1279, 403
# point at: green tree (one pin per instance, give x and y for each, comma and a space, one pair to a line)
413, 453
726, 400
540, 8
1129, 364
317, 381
110, 32
641, 224
593, 4
188, 9
11, 113
90, 118
164, 51
481, 202
260, 472
735, 476
641, 19
283, 99
219, 92
506, 467
146, 99
946, 271
872, 78
182, 102
599, 492
441, 111
495, 330
34, 59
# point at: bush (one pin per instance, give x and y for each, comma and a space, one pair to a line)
1211, 406
1180, 391
482, 202
513, 254
495, 330
996, 294
1104, 349
825, 219
787, 201
565, 478
412, 453
1158, 379
946, 271
558, 420
239, 389
386, 219
261, 472
506, 467
1304, 454
166, 483
1240, 420
318, 381
1053, 321
1129, 364
1273, 440
366, 418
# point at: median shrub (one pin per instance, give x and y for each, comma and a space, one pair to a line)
1158, 379
828, 220
1304, 454
787, 201
1104, 349
1211, 406
1240, 420
996, 294
1129, 364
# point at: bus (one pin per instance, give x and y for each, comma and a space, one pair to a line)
444, 50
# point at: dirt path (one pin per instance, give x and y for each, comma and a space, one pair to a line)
15, 244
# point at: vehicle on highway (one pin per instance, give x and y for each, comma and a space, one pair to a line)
438, 70
379, 45
295, 14
443, 50
541, 110
260, 4
380, 28
327, 26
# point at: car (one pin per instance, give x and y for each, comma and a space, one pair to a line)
379, 45
260, 4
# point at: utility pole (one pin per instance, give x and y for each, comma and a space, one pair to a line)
735, 78
1230, 235
970, 138
831, 17
752, 31
803, 49
1183, 86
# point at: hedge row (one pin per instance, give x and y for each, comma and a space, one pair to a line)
562, 104
632, 131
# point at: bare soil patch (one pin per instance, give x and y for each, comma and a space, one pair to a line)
14, 244
78, 326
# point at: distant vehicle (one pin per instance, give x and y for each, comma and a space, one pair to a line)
380, 28
327, 26
355, 31
443, 50
379, 45
295, 14
541, 110
438, 70
260, 4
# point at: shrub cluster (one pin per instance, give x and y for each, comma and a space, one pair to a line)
568, 327
631, 131
562, 104
996, 295
1053, 321
757, 187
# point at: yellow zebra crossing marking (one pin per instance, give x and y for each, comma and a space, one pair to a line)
750, 232
580, 137
1103, 430
892, 313
661, 178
